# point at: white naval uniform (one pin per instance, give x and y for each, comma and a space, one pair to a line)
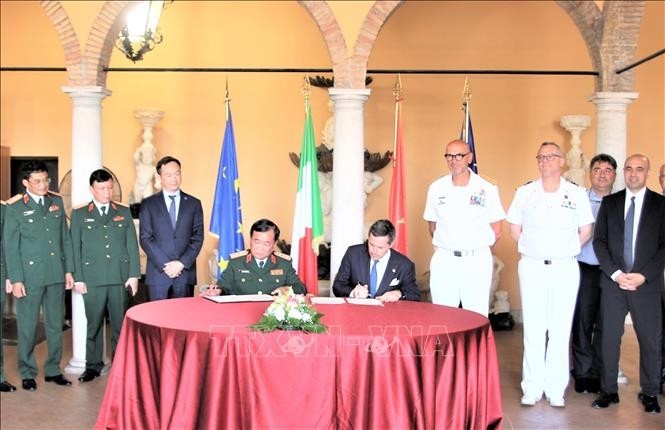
549, 278
461, 267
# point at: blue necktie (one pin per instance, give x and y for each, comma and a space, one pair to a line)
172, 211
372, 279
628, 236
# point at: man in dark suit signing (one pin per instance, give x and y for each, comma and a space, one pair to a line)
629, 240
374, 270
171, 234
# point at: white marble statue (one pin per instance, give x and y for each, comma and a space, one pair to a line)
575, 159
328, 132
497, 265
371, 181
325, 187
144, 185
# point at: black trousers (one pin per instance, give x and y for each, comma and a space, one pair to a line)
647, 315
586, 331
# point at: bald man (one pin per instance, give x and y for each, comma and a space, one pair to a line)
464, 215
629, 240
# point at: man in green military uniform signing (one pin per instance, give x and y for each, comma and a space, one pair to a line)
259, 270
39, 265
106, 266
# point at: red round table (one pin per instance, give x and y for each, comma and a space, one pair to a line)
192, 363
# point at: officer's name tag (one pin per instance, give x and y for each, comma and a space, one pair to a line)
568, 204
88, 220
277, 272
28, 213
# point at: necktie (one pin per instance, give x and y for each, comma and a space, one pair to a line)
41, 202
172, 211
103, 208
261, 264
628, 236
373, 279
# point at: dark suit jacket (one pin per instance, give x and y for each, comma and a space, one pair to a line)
354, 270
649, 258
162, 244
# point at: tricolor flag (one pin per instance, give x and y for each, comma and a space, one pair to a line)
307, 219
467, 130
397, 202
226, 219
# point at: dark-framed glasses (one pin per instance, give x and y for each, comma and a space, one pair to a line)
598, 171
457, 157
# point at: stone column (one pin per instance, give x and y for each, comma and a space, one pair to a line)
348, 170
86, 157
611, 113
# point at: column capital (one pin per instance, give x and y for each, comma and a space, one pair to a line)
338, 94
612, 98
86, 92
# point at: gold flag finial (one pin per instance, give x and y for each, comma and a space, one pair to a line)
306, 87
397, 88
227, 100
467, 90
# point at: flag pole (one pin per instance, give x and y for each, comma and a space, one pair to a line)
466, 94
227, 100
397, 93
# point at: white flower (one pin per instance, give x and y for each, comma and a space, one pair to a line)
295, 314
277, 312
306, 317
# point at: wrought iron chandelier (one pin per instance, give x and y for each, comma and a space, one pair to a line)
140, 34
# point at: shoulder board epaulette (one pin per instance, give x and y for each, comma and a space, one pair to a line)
573, 182
54, 193
527, 183
2, 202
284, 256
80, 206
120, 204
14, 199
488, 179
238, 254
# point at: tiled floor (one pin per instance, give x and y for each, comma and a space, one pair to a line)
75, 407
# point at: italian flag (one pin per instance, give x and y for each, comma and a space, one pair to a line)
307, 219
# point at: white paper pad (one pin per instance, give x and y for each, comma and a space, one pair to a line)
369, 302
241, 298
327, 300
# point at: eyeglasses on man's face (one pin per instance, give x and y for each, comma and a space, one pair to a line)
37, 182
547, 157
457, 157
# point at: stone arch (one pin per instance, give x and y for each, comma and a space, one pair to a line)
331, 32
101, 39
66, 34
610, 36
377, 16
87, 67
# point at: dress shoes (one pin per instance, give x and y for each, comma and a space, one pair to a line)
605, 399
88, 375
589, 385
29, 384
58, 379
650, 403
6, 387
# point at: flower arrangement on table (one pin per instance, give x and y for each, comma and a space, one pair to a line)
290, 311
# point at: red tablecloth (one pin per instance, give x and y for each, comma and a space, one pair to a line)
192, 363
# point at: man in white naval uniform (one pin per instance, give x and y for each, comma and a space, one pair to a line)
464, 215
550, 219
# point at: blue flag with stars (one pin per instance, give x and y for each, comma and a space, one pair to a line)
226, 219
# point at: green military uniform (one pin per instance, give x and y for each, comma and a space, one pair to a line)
106, 254
3, 277
38, 252
244, 276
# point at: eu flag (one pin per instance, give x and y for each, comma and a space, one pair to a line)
226, 219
